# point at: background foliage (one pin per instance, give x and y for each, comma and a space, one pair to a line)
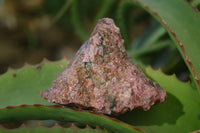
160, 34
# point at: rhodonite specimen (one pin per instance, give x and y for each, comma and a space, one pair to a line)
102, 77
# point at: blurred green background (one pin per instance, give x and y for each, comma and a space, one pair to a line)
34, 29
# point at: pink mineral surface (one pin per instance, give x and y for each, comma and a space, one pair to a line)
102, 77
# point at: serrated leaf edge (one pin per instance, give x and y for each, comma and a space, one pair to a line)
74, 109
73, 125
26, 64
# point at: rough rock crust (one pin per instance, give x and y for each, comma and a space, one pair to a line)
102, 76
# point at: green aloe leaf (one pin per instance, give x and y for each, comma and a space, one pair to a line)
182, 23
23, 86
19, 87
178, 114
60, 113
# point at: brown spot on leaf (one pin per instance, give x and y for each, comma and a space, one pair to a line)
14, 75
39, 67
61, 117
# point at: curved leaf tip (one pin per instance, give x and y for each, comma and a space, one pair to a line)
181, 31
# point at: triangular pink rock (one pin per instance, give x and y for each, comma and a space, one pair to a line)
102, 76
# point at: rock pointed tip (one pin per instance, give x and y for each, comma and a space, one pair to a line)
107, 21
106, 25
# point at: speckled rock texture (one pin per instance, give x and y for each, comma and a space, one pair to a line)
102, 77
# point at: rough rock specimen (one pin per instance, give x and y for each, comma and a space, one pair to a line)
102, 76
